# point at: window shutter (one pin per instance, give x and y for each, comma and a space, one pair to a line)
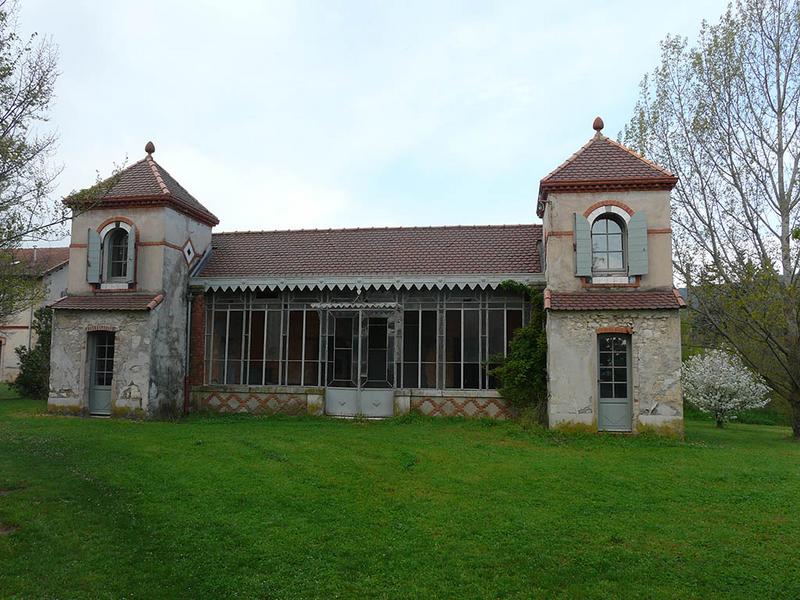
130, 275
583, 247
637, 244
93, 257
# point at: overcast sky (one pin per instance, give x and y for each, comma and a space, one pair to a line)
349, 114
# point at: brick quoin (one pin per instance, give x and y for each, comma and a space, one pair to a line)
197, 340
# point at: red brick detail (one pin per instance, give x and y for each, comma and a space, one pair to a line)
197, 341
626, 330
616, 203
101, 328
456, 406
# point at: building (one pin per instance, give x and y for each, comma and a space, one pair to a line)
51, 266
163, 316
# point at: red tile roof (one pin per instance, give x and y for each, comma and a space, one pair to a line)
603, 164
42, 260
147, 181
490, 249
109, 301
602, 300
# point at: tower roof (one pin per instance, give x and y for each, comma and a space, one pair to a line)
146, 183
604, 165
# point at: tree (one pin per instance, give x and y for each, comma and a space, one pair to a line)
33, 380
719, 383
27, 78
724, 116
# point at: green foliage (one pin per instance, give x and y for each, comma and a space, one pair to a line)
34, 363
523, 372
421, 508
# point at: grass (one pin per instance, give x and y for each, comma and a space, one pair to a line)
408, 508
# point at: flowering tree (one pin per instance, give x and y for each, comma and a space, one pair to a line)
718, 383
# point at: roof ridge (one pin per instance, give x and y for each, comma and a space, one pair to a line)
574, 155
386, 228
154, 167
639, 156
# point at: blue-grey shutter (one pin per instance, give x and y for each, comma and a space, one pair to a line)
130, 275
637, 244
93, 257
583, 247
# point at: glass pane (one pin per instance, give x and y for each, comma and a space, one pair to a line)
513, 322
271, 373
496, 332
377, 334
599, 226
613, 226
428, 375
472, 376
606, 390
599, 243
615, 260
235, 334
452, 375
220, 335
410, 375
605, 359
342, 364
233, 374
453, 336
312, 335
254, 377
471, 337
605, 374
310, 373
295, 345
620, 359
343, 332
428, 336
599, 262
620, 390
620, 343
410, 335
615, 243
273, 334
605, 343
217, 371
293, 373
257, 334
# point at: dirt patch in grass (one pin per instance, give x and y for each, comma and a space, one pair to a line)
6, 529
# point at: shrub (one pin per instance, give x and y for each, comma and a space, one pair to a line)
522, 373
719, 383
33, 380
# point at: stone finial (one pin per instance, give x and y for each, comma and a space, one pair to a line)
598, 124
149, 147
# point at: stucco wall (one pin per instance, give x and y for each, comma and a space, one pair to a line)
655, 363
16, 331
68, 360
559, 224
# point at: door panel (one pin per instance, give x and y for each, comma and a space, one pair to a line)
101, 371
614, 412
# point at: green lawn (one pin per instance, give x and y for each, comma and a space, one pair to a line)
289, 508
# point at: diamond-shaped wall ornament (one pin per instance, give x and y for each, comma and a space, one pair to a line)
188, 252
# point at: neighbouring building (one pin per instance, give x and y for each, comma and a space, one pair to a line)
164, 317
51, 266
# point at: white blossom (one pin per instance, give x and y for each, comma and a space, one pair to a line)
719, 383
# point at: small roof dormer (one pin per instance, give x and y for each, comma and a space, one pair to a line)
144, 183
603, 164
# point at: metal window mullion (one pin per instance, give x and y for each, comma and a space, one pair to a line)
227, 337
303, 352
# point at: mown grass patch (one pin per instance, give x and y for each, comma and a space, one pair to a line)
409, 507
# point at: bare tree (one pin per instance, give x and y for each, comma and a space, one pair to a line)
724, 116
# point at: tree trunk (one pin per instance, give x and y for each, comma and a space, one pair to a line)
794, 401
720, 423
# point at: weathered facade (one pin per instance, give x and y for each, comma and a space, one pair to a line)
163, 317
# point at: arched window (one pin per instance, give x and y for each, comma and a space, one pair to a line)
608, 239
116, 255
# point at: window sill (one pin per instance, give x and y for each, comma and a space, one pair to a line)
114, 285
611, 279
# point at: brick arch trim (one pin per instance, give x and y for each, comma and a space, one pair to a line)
603, 203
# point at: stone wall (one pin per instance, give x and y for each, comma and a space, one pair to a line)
261, 400
655, 364
68, 360
453, 403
